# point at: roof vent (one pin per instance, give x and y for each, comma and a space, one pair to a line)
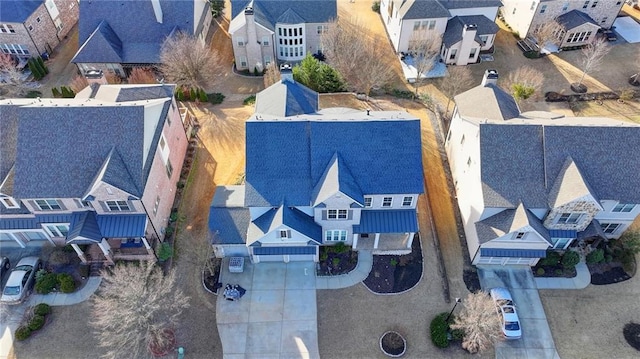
469, 27
490, 77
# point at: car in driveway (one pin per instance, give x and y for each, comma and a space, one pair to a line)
507, 311
21, 280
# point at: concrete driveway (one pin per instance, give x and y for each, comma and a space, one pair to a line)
276, 318
536, 341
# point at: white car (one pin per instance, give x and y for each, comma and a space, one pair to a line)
21, 280
507, 311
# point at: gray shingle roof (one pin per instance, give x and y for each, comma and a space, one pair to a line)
134, 23
488, 101
286, 98
269, 12
429, 9
17, 10
509, 221
569, 185
9, 136
575, 18
229, 225
102, 46
463, 4
455, 27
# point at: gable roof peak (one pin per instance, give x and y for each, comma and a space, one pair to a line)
569, 185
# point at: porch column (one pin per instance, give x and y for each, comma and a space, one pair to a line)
375, 243
355, 241
104, 246
146, 245
18, 240
410, 241
79, 252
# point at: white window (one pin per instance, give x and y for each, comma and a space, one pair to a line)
284, 233
609, 228
594, 4
14, 49
58, 23
484, 39
586, 4
543, 8
156, 205
57, 230
387, 201
243, 61
265, 41
622, 207
48, 204
240, 41
169, 168
407, 201
342, 214
322, 29
9, 202
164, 149
569, 218
604, 19
452, 54
367, 201
291, 41
38, 19
472, 53
520, 235
332, 214
267, 59
335, 235
462, 140
117, 205
416, 25
6, 28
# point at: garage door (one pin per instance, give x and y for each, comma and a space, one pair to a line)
285, 254
507, 261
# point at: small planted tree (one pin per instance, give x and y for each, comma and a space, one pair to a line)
185, 61
136, 309
424, 47
458, 78
479, 321
318, 76
15, 83
142, 75
271, 74
523, 82
592, 56
546, 34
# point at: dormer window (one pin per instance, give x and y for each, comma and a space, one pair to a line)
9, 202
520, 235
624, 208
284, 233
387, 201
569, 218
118, 206
407, 201
48, 204
367, 201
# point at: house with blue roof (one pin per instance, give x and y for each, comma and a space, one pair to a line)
532, 181
263, 31
31, 28
317, 177
105, 177
466, 27
116, 36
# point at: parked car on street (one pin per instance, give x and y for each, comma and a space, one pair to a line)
21, 280
507, 311
5, 264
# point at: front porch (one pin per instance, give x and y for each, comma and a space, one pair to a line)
384, 243
110, 250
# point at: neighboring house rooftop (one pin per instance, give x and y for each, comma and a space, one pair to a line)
228, 218
129, 29
574, 18
509, 221
286, 98
17, 10
428, 9
270, 12
488, 101
92, 227
455, 28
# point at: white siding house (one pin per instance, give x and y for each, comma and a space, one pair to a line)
526, 182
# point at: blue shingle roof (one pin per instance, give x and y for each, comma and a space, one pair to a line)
287, 159
514, 253
17, 10
292, 218
269, 12
286, 98
339, 179
387, 221
134, 23
229, 225
102, 46
275, 251
84, 225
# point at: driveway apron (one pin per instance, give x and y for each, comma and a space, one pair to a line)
536, 342
276, 318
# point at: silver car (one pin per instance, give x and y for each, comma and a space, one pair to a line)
507, 311
21, 280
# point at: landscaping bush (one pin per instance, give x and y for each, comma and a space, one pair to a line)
215, 98
67, 92
41, 64
596, 256
46, 283
439, 328
335, 261
570, 259
376, 6
540, 271
22, 333
35, 69
33, 94
340, 247
406, 94
165, 251
249, 100
202, 96
66, 282
56, 92
42, 309
558, 272
551, 259
59, 257
608, 258
36, 323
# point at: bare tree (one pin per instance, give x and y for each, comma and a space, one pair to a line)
78, 83
112, 78
13, 79
142, 75
355, 53
459, 78
271, 74
135, 308
635, 78
592, 56
199, 251
186, 62
424, 46
479, 321
523, 82
547, 33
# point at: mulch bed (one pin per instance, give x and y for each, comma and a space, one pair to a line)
607, 273
344, 262
396, 274
557, 271
631, 334
392, 343
471, 280
211, 281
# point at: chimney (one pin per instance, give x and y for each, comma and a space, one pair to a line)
490, 77
157, 10
286, 73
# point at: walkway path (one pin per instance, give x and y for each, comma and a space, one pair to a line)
360, 273
12, 315
580, 281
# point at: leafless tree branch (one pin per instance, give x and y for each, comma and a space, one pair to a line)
12, 79
592, 56
479, 321
186, 62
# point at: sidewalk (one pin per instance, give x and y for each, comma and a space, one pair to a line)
580, 281
360, 273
